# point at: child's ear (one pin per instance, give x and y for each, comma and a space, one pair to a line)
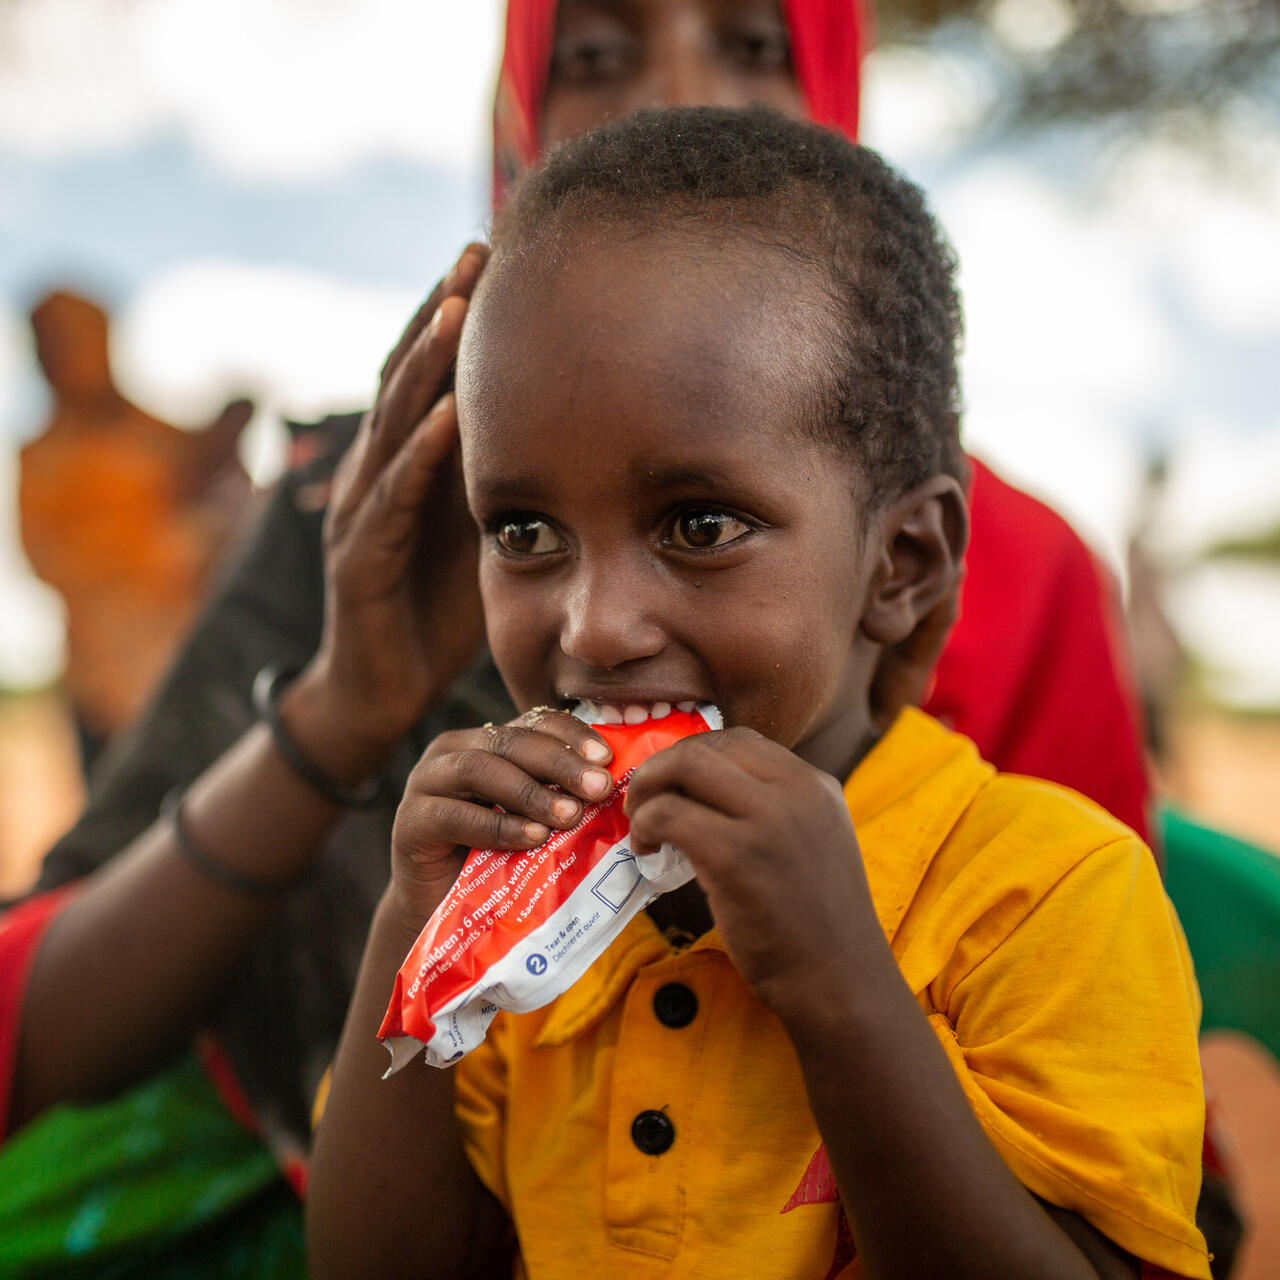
922, 537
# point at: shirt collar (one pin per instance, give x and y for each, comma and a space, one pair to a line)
904, 797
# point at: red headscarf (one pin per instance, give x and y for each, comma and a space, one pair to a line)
828, 39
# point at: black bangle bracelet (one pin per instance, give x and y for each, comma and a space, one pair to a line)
266, 686
171, 808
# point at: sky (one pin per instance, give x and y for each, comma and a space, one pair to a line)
263, 190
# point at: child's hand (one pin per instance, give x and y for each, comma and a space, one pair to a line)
448, 803
775, 852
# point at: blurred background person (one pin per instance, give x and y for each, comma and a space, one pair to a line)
1161, 661
123, 515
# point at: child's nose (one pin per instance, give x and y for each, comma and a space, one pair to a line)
608, 620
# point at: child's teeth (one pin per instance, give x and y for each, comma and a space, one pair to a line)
659, 710
686, 706
610, 715
635, 715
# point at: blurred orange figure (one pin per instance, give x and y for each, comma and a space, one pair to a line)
123, 515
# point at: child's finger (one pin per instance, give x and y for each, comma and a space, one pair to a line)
574, 733
519, 785
550, 753
515, 767
697, 830
567, 747
449, 822
705, 767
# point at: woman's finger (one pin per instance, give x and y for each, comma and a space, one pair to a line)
374, 554
388, 521
461, 280
374, 443
408, 396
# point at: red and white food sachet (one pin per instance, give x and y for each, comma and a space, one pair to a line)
517, 930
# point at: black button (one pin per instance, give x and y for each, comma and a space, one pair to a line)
675, 1005
652, 1132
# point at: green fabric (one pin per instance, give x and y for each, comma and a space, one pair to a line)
1227, 894
159, 1182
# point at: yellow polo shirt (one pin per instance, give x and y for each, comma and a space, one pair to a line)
1035, 933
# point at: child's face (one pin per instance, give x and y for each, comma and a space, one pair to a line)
656, 524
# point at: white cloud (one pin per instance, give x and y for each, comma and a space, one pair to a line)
73, 79
303, 342
268, 89
1222, 484
1230, 615
919, 102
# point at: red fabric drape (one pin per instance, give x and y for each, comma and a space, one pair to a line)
522, 81
828, 39
1036, 671
21, 930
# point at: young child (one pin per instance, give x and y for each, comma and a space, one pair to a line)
938, 1022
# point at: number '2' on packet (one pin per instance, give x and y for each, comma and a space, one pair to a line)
517, 930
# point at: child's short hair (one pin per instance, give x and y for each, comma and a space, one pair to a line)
834, 207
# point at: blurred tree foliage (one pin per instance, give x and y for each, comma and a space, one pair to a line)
1081, 60
1264, 546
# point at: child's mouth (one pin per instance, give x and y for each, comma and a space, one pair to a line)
621, 711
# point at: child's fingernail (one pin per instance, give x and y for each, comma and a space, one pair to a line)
435, 319
565, 809
595, 782
596, 750
536, 831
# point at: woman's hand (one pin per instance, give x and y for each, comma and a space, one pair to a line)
448, 805
402, 610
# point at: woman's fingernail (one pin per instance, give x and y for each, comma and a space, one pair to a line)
565, 809
596, 750
595, 782
536, 831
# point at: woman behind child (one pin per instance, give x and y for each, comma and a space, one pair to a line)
707, 398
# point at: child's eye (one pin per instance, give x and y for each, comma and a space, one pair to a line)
700, 530
527, 536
